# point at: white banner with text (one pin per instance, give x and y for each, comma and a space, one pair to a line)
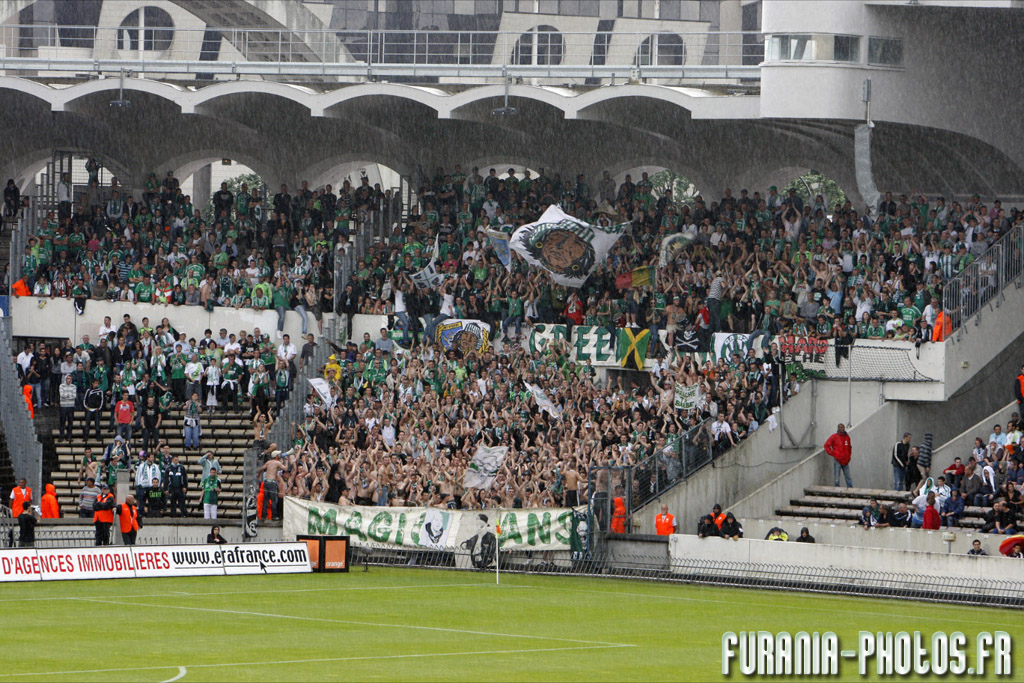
137, 562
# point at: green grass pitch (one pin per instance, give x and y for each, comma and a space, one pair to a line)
424, 625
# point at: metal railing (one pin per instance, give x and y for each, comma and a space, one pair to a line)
683, 456
22, 441
982, 282
74, 50
658, 565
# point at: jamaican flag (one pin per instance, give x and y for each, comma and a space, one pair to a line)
631, 349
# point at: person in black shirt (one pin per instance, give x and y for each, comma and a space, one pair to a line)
215, 537
151, 421
27, 527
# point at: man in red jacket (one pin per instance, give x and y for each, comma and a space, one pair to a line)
839, 447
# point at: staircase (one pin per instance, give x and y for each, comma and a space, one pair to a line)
6, 469
227, 434
843, 506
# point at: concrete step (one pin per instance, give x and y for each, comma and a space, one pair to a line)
841, 492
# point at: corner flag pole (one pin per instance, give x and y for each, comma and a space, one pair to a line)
498, 562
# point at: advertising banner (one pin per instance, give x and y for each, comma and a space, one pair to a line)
430, 528
130, 562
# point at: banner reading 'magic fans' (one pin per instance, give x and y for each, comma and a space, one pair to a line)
137, 562
433, 528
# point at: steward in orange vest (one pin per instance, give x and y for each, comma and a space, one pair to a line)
665, 524
128, 514
618, 512
103, 515
48, 505
20, 497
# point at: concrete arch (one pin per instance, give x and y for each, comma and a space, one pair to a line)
44, 93
25, 167
557, 98
64, 99
187, 163
195, 101
428, 97
700, 178
485, 164
700, 106
331, 169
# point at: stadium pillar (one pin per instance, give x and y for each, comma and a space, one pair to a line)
201, 186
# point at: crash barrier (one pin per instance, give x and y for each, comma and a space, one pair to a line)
131, 562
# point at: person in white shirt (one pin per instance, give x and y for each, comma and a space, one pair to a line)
931, 312
387, 433
287, 352
106, 329
25, 357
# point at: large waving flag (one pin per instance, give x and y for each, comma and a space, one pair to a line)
429, 278
484, 466
543, 402
631, 349
500, 244
564, 246
638, 277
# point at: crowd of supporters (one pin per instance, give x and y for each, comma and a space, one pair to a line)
988, 479
407, 418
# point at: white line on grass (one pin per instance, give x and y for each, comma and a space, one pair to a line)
656, 596
288, 590
181, 674
283, 662
356, 623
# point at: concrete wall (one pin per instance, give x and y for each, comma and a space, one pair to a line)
761, 470
994, 334
961, 444
57, 319
157, 532
920, 540
863, 559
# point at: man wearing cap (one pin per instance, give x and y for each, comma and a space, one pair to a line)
103, 514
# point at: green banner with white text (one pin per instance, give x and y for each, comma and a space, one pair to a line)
431, 528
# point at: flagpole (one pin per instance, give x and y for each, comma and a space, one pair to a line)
497, 557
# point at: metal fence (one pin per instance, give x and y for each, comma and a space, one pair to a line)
22, 440
658, 566
367, 54
684, 455
982, 282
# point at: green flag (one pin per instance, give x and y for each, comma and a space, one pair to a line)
631, 350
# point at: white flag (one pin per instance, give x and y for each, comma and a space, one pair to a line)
429, 278
484, 467
564, 246
543, 402
324, 389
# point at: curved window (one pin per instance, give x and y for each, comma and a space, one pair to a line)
157, 30
541, 46
661, 49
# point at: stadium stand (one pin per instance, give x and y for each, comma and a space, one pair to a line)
756, 263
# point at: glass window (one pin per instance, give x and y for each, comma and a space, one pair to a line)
540, 46
885, 51
662, 49
486, 6
846, 49
671, 9
797, 47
